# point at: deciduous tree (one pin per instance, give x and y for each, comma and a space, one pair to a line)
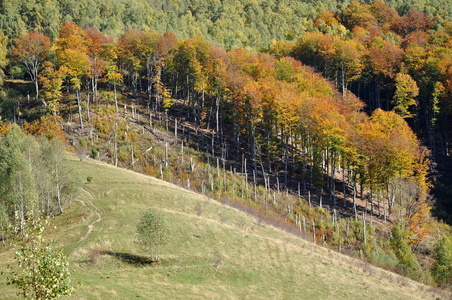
31, 49
3, 55
152, 232
44, 272
442, 268
52, 80
405, 95
95, 40
72, 49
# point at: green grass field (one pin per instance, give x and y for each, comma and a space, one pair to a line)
214, 251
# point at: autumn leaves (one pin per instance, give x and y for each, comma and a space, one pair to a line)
284, 110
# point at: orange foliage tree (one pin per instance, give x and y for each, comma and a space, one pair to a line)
52, 82
31, 49
72, 48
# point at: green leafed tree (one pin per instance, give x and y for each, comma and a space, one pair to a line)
405, 94
399, 244
442, 268
43, 272
64, 184
3, 54
52, 80
152, 232
16, 176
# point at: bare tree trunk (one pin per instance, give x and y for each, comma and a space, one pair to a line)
313, 230
371, 203
94, 83
166, 154
217, 107
304, 168
286, 158
332, 181
77, 92
116, 146
60, 207
344, 90
354, 195
344, 186
304, 225
149, 81
364, 227
116, 99
134, 84
254, 156
87, 102
37, 92
242, 172
3, 235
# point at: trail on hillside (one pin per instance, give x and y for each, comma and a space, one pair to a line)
96, 211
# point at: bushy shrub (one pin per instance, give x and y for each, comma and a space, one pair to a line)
94, 152
442, 268
82, 142
17, 72
383, 258
49, 126
402, 250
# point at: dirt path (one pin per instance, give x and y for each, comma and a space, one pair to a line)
96, 211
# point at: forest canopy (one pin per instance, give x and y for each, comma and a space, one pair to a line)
272, 104
228, 24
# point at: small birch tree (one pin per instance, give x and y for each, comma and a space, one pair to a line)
152, 232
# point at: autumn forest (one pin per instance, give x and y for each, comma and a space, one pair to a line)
330, 120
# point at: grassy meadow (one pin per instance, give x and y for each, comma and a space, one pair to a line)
214, 251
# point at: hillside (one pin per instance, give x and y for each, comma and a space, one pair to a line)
214, 252
263, 131
327, 120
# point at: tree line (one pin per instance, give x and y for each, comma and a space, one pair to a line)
35, 178
229, 24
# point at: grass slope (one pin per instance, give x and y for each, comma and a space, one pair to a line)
214, 252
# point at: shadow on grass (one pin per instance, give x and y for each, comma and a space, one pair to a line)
130, 258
